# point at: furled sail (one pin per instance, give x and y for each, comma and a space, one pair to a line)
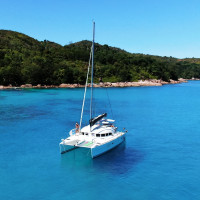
96, 119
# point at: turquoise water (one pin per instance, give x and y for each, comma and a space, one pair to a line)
160, 159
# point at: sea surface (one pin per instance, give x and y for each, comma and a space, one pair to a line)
160, 159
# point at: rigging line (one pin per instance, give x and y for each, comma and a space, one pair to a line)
85, 90
109, 103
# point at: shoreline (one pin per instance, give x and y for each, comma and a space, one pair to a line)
140, 83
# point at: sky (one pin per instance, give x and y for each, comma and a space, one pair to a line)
155, 27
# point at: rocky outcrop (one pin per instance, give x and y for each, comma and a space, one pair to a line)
26, 86
194, 79
64, 85
140, 83
182, 80
152, 82
130, 84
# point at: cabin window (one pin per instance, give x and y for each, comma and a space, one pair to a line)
82, 133
110, 133
103, 135
106, 134
98, 135
86, 134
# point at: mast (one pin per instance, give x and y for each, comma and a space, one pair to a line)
92, 70
85, 90
91, 58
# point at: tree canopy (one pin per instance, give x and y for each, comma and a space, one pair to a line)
26, 60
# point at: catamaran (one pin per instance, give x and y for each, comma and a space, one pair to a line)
101, 134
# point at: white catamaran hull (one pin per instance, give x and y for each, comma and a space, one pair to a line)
66, 148
70, 145
98, 150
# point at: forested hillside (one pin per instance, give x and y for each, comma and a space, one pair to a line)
26, 60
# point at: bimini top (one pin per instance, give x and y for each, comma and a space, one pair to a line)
110, 120
96, 119
107, 121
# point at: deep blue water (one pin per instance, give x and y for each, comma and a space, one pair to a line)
159, 161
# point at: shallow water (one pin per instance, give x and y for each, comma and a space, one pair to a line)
160, 159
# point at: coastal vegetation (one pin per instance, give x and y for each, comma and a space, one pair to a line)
26, 60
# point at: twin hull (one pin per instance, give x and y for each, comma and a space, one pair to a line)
98, 150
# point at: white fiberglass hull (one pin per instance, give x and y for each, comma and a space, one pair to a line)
66, 148
98, 150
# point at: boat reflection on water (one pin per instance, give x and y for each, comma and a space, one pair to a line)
120, 160
81, 158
